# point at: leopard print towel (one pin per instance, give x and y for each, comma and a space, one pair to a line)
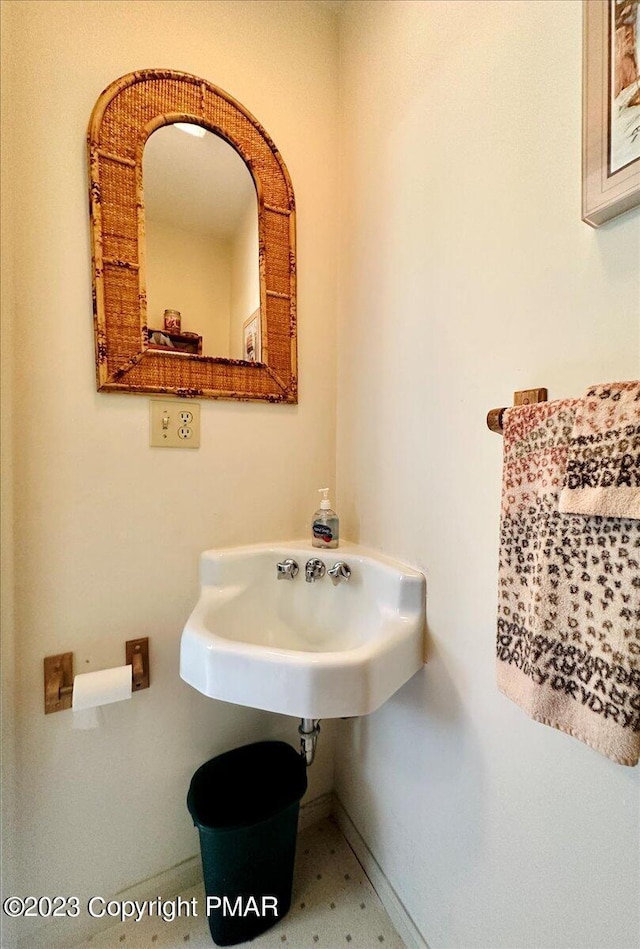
603, 468
568, 649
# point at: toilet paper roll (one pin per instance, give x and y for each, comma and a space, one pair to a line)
86, 719
91, 689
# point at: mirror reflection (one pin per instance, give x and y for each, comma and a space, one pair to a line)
201, 220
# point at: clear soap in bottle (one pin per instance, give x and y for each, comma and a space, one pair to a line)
325, 528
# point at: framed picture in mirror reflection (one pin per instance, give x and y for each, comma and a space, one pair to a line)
251, 348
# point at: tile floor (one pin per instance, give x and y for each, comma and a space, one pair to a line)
334, 907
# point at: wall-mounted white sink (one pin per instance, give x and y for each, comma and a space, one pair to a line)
311, 650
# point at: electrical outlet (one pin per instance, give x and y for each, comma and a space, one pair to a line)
172, 425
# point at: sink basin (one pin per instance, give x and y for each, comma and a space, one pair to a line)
312, 650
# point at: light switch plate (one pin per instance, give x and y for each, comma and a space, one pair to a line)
174, 423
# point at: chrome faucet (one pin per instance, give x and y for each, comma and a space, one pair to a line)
314, 570
339, 571
287, 569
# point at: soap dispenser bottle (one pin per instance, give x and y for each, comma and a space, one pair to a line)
325, 528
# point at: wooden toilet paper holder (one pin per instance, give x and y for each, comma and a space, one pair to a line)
58, 674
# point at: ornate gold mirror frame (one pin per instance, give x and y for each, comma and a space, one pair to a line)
124, 117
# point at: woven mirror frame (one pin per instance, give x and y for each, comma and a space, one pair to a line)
124, 117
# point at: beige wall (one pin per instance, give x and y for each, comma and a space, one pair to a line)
108, 531
190, 272
8, 795
466, 273
245, 278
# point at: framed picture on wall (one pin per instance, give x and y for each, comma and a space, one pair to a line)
251, 345
611, 109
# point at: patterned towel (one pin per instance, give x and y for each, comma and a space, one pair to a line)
603, 468
569, 597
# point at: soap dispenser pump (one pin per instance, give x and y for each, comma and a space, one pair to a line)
325, 528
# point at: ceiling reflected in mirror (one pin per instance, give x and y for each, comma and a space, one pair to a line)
201, 245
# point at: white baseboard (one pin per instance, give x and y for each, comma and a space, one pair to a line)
66, 933
407, 929
172, 882
315, 810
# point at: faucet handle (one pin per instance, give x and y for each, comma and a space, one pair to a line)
314, 570
287, 569
339, 571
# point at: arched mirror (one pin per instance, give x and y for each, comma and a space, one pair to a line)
193, 226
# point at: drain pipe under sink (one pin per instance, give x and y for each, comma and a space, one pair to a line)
308, 729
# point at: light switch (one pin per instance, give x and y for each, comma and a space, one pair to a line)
174, 424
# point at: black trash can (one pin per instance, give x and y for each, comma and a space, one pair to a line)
245, 805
